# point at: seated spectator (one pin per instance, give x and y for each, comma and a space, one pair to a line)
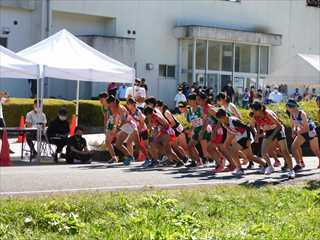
58, 131
144, 85
34, 119
77, 148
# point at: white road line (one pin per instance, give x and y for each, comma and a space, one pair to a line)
112, 188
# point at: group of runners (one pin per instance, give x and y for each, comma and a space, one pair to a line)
206, 131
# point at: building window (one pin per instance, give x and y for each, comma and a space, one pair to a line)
227, 57
167, 71
264, 60
214, 55
313, 3
201, 54
246, 58
3, 41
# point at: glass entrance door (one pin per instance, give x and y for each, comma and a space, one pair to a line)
213, 81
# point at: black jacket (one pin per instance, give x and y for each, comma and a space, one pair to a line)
58, 128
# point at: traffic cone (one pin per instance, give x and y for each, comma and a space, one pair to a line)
73, 125
21, 138
4, 155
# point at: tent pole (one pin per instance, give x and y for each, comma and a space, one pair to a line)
38, 106
77, 106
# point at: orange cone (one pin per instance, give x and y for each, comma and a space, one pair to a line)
4, 155
21, 138
73, 125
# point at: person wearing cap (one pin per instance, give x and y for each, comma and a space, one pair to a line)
77, 148
274, 134
180, 97
58, 131
136, 91
303, 130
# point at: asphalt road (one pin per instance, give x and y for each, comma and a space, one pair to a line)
52, 178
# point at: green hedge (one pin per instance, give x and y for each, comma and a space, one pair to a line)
18, 107
90, 114
309, 107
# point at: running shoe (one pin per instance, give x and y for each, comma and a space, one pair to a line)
179, 164
229, 168
297, 168
262, 170
218, 169
113, 160
146, 163
127, 161
191, 164
154, 163
269, 170
291, 174
277, 163
238, 172
251, 165
163, 159
284, 168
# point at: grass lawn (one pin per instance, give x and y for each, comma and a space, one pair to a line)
221, 212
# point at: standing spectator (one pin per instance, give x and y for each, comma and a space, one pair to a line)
296, 96
313, 93
252, 94
228, 89
180, 97
266, 95
144, 85
121, 93
112, 89
245, 98
185, 89
4, 97
275, 96
306, 95
33, 87
58, 131
136, 90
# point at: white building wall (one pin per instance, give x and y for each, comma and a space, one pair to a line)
18, 38
154, 22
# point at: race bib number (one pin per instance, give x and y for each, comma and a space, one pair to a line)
197, 122
179, 128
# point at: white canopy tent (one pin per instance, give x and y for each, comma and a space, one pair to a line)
301, 71
64, 56
14, 66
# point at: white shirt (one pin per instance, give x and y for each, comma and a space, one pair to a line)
35, 118
180, 97
275, 96
138, 91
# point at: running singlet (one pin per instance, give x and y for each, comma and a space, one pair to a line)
111, 121
137, 115
265, 120
177, 125
162, 128
237, 128
195, 118
229, 109
298, 122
